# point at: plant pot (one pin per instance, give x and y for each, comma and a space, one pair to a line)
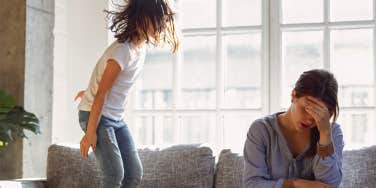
11, 160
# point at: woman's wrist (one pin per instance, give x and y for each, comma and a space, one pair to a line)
325, 137
325, 150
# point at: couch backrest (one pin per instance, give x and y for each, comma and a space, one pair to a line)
66, 168
229, 170
188, 166
358, 168
178, 166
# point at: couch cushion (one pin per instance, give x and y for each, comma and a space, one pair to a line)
178, 166
229, 170
66, 168
359, 168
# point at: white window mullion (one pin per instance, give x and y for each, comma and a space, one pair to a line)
177, 63
265, 59
326, 42
220, 79
177, 67
332, 25
275, 56
374, 60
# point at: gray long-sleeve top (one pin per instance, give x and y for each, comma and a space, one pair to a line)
268, 160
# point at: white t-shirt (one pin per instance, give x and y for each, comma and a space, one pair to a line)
131, 60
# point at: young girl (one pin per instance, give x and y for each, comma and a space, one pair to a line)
299, 147
102, 108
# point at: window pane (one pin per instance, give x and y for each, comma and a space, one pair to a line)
198, 79
358, 128
236, 129
301, 51
143, 130
154, 130
347, 10
243, 70
198, 129
302, 11
352, 64
241, 12
154, 88
166, 131
198, 13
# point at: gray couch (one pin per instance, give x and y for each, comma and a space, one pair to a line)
183, 166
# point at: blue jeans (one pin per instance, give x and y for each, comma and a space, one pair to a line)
116, 153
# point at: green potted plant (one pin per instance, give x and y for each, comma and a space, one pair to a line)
14, 120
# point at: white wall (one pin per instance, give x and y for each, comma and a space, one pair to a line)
38, 96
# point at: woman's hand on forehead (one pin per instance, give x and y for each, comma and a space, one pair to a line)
320, 113
316, 105
309, 100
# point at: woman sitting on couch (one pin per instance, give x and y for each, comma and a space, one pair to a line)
299, 147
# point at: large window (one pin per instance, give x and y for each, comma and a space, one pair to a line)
239, 60
338, 36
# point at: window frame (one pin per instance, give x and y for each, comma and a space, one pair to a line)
271, 29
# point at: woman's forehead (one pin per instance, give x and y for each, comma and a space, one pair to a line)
306, 98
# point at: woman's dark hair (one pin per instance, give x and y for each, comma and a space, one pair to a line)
320, 84
134, 20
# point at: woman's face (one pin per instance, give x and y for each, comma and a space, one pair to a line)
301, 119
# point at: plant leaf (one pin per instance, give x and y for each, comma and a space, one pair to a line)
15, 122
7, 102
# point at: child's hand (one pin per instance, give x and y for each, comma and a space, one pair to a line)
80, 94
89, 140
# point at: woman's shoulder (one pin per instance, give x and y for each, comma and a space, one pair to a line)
336, 130
264, 125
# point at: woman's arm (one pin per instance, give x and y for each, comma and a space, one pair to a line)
255, 168
301, 183
108, 78
329, 168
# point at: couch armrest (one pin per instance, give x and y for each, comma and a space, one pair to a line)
24, 183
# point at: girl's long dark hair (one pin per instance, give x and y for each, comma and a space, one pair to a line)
320, 84
134, 20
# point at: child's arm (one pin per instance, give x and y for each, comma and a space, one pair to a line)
109, 76
256, 173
